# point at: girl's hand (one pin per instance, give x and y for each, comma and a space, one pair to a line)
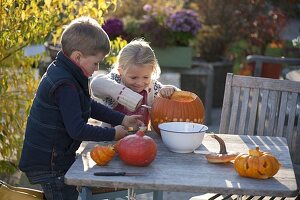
133, 121
166, 92
120, 132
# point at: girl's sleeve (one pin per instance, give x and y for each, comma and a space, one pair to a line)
102, 86
68, 102
157, 86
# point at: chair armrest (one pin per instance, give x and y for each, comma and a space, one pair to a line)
260, 59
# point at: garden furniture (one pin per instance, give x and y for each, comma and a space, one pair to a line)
263, 107
189, 172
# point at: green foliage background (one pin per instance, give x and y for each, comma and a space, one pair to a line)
24, 23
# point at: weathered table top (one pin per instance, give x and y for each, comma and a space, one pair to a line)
191, 172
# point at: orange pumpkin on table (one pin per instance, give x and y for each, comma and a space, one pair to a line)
102, 154
183, 106
256, 164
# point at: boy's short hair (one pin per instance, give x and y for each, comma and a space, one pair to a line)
85, 34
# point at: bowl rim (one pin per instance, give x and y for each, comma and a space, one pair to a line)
202, 130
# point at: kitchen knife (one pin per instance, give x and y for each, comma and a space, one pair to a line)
117, 174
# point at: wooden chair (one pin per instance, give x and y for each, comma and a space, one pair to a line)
262, 106
260, 60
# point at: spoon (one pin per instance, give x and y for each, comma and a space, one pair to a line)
200, 128
198, 151
146, 106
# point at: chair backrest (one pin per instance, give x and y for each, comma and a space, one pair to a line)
262, 106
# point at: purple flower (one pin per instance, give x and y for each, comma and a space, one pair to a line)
113, 27
184, 21
147, 8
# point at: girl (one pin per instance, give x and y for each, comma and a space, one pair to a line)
133, 81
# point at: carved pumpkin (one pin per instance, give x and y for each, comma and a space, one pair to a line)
102, 154
137, 149
256, 164
182, 106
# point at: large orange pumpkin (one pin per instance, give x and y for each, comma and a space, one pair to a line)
182, 106
256, 164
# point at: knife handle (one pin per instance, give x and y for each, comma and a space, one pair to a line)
110, 173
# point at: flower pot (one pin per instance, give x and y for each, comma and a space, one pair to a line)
269, 70
175, 56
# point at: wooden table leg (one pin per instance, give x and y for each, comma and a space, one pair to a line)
85, 193
131, 194
157, 195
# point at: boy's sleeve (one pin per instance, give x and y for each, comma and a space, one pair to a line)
102, 86
67, 99
105, 114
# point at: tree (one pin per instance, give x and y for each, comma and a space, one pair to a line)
23, 23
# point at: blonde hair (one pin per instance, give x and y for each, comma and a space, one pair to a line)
85, 34
137, 52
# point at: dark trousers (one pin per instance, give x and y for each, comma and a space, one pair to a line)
53, 185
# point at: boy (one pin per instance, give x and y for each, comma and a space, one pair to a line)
58, 117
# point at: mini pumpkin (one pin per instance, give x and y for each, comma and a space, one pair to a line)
223, 156
256, 164
116, 146
182, 106
102, 154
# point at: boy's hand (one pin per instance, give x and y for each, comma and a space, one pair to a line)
120, 132
133, 121
166, 92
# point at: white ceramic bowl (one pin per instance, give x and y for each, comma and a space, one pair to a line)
182, 137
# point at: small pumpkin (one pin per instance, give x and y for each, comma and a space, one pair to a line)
223, 156
137, 149
102, 154
116, 146
182, 106
256, 164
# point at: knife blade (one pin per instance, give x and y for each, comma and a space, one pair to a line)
117, 174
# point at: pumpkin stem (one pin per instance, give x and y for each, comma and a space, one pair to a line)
222, 144
143, 128
255, 152
140, 133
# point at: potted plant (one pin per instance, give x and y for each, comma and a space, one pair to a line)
265, 33
224, 22
182, 26
170, 33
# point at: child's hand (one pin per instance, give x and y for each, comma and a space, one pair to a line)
166, 92
120, 132
133, 121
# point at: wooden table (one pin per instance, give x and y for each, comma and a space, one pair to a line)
191, 172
